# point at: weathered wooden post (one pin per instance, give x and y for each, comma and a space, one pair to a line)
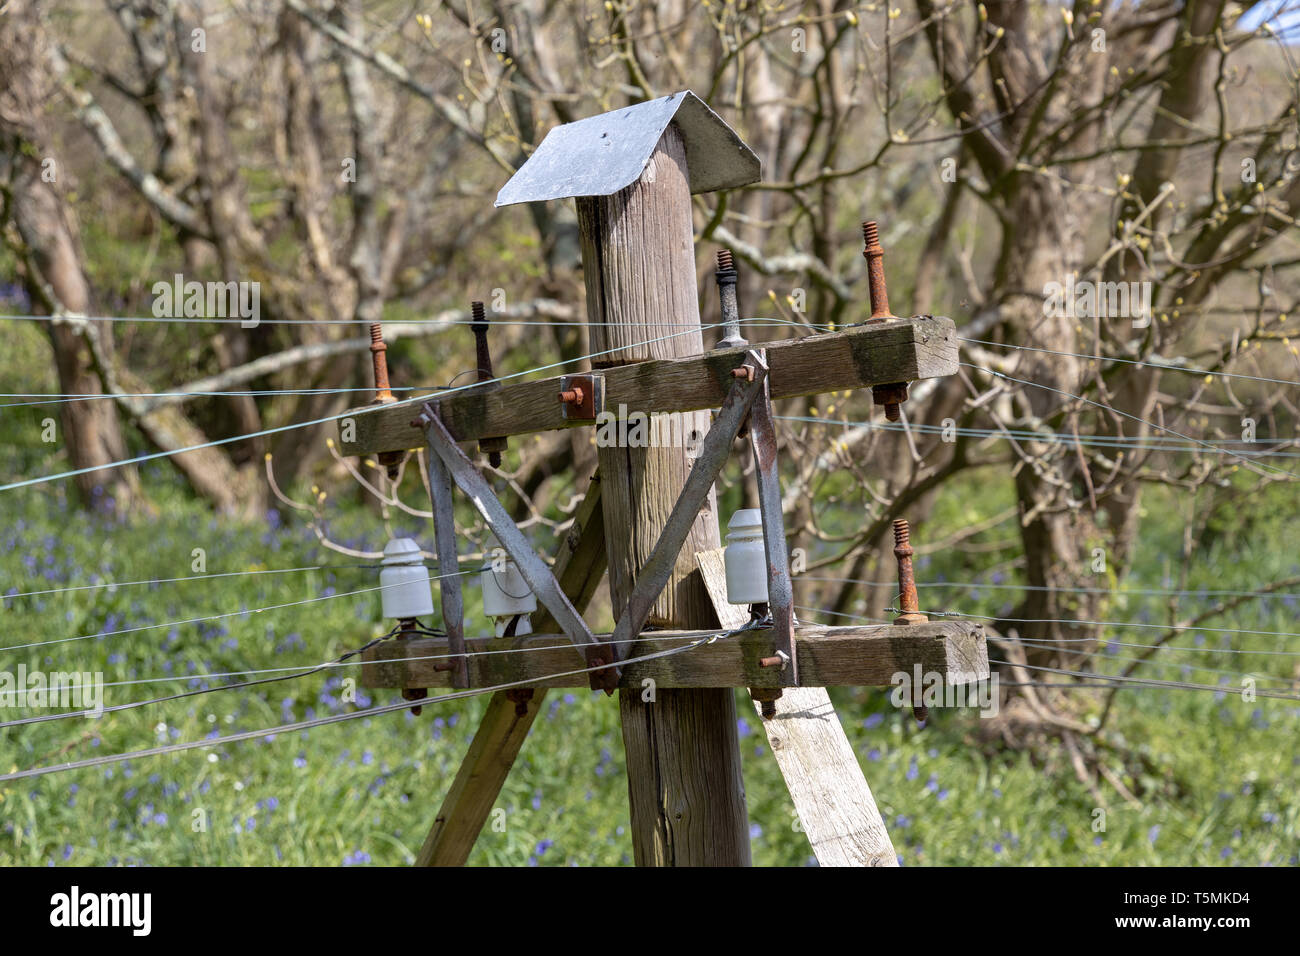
632, 172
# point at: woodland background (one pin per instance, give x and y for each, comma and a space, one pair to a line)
1106, 516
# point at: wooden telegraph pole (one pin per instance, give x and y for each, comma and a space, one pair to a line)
685, 785
633, 172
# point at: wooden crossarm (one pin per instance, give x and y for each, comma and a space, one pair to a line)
828, 657
900, 351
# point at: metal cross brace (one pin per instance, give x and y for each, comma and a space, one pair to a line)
534, 570
745, 389
444, 533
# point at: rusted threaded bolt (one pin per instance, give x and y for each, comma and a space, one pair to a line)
875, 257
770, 661
479, 326
572, 396
520, 697
379, 359
744, 371
891, 396
726, 277
766, 699
907, 600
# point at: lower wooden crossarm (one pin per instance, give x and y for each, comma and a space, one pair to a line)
828, 656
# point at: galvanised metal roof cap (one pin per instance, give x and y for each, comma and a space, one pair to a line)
599, 155
402, 551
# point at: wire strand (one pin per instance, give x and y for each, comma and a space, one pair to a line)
334, 718
1111, 358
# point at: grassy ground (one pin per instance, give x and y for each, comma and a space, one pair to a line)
1224, 789
1221, 789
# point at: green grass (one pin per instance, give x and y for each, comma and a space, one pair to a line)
1224, 780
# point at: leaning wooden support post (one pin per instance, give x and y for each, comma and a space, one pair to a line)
579, 567
830, 794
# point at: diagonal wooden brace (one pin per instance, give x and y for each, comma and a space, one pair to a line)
780, 592
449, 583
533, 568
704, 471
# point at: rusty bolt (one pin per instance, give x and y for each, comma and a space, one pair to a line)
572, 396
520, 697
875, 257
743, 371
379, 359
891, 396
417, 693
907, 600
391, 460
770, 662
766, 697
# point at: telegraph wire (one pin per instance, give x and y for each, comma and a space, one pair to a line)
339, 718
139, 459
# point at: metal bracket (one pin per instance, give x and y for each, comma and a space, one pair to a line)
534, 570
583, 396
444, 532
780, 590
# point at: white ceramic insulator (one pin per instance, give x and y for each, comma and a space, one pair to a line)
746, 558
404, 581
506, 593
